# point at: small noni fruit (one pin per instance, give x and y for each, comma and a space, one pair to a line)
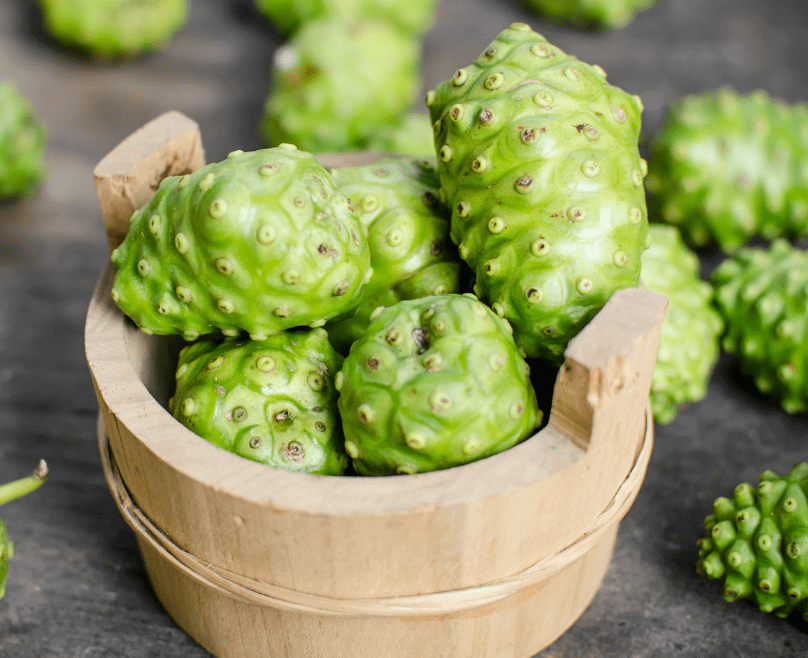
260, 242
689, 345
414, 17
762, 293
434, 383
539, 161
272, 401
336, 83
757, 543
408, 235
23, 141
114, 28
608, 14
726, 167
411, 136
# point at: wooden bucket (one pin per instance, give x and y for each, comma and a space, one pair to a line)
493, 559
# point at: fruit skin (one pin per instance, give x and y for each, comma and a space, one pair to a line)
272, 401
757, 543
414, 17
107, 29
689, 344
762, 293
539, 160
434, 383
727, 167
260, 242
336, 83
408, 235
23, 140
412, 136
608, 14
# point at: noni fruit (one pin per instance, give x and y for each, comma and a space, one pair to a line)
336, 83
757, 543
762, 293
23, 141
608, 14
114, 28
411, 136
414, 17
272, 401
8, 492
434, 383
408, 235
539, 161
260, 242
689, 345
726, 167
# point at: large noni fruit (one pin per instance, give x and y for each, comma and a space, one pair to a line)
609, 14
689, 344
538, 159
757, 543
336, 83
260, 242
272, 401
23, 140
413, 17
434, 383
408, 237
114, 28
762, 294
726, 167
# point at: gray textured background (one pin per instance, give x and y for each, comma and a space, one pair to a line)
77, 587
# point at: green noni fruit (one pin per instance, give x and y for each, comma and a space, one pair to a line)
757, 543
414, 17
726, 167
408, 236
762, 293
336, 83
609, 14
260, 242
539, 161
114, 28
411, 136
689, 344
23, 141
434, 383
271, 401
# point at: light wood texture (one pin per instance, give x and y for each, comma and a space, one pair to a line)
128, 177
348, 538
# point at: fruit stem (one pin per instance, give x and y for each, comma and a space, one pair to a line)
13, 490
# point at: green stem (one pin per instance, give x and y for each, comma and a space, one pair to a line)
14, 490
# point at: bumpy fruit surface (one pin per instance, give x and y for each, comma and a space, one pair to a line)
114, 28
757, 543
412, 136
414, 17
434, 383
22, 144
408, 236
609, 14
689, 346
726, 167
260, 242
272, 401
763, 296
336, 83
538, 159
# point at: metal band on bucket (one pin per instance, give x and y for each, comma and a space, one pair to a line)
255, 592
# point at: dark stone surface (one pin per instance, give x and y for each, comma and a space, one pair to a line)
77, 587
